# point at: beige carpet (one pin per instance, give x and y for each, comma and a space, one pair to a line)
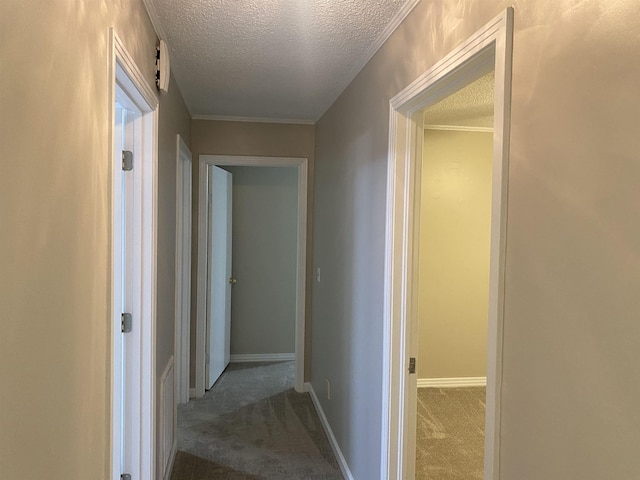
450, 433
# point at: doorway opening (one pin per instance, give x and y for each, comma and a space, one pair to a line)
207, 165
453, 282
133, 258
488, 50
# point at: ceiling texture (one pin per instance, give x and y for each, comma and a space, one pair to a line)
280, 60
471, 106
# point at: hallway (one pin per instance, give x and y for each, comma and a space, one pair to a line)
253, 425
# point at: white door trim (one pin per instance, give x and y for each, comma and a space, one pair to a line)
228, 160
490, 48
183, 267
125, 75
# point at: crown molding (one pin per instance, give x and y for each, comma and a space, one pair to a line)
231, 118
391, 27
152, 11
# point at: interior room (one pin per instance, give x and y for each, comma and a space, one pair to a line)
453, 283
263, 301
93, 366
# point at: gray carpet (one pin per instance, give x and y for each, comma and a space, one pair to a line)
450, 433
252, 425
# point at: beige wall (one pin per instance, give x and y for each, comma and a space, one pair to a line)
54, 245
174, 119
570, 379
265, 227
571, 329
254, 139
455, 216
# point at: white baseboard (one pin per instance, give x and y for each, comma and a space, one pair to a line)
452, 382
263, 357
332, 439
192, 393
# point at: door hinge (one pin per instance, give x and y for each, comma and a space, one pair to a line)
126, 323
125, 476
127, 160
412, 365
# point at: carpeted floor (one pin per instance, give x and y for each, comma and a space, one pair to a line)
252, 425
450, 433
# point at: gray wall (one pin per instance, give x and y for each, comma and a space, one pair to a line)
55, 213
263, 302
174, 119
254, 139
570, 380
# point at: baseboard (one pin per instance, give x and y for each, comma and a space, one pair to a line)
192, 393
452, 382
263, 357
346, 473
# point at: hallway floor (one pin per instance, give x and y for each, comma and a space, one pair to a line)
253, 425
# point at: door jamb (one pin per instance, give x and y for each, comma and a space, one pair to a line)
229, 160
124, 72
184, 162
490, 47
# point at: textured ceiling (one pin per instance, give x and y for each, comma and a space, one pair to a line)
284, 59
471, 106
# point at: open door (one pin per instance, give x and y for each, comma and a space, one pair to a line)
218, 345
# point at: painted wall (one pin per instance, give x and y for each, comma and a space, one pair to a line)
209, 137
455, 216
55, 243
573, 237
174, 119
263, 302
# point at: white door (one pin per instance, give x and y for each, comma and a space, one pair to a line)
218, 346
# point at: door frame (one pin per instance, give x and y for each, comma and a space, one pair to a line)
140, 398
248, 161
490, 48
184, 208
